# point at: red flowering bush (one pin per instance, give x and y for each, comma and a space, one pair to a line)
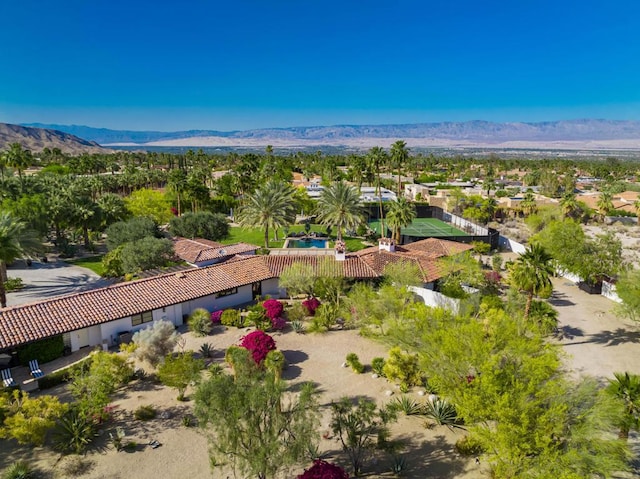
492, 277
323, 470
259, 344
273, 308
216, 316
278, 323
311, 305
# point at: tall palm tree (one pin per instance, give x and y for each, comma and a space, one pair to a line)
400, 213
271, 206
377, 159
339, 206
399, 156
528, 204
16, 241
605, 203
531, 273
569, 204
626, 387
18, 158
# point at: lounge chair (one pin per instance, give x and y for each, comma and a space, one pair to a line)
7, 379
36, 372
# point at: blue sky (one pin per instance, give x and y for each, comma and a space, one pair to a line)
207, 64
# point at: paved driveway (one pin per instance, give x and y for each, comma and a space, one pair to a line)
47, 280
596, 341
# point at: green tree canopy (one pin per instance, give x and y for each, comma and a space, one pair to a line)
339, 206
203, 224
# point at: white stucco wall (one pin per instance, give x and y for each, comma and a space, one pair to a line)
272, 288
85, 337
436, 300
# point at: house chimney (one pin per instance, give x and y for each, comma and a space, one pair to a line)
386, 244
340, 248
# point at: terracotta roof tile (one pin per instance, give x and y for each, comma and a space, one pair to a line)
198, 250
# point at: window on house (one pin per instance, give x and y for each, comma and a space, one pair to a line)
227, 292
138, 319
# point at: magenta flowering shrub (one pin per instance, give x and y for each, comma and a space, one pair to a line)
216, 316
259, 344
278, 324
324, 470
273, 308
492, 277
311, 305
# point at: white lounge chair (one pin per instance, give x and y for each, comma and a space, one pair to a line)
7, 379
36, 372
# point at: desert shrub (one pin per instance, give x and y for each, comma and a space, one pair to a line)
259, 344
275, 362
13, 284
278, 324
231, 317
145, 413
179, 371
258, 317
402, 367
323, 470
296, 312
44, 350
354, 363
28, 419
155, 342
273, 308
377, 364
311, 305
469, 446
240, 360
64, 375
73, 432
200, 322
407, 405
19, 470
216, 316
73, 466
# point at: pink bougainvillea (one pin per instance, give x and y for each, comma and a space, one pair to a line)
259, 344
311, 305
324, 470
278, 324
216, 316
273, 308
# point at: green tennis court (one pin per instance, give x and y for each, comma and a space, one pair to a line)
425, 227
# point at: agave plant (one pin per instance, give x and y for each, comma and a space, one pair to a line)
408, 406
442, 413
18, 470
206, 350
297, 326
398, 465
74, 432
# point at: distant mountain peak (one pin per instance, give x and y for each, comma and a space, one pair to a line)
36, 139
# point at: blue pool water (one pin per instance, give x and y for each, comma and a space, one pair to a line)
307, 243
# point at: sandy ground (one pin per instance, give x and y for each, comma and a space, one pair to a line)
312, 357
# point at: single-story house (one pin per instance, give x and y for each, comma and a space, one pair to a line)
99, 316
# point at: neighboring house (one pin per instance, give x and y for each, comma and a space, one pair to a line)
201, 252
369, 194
99, 316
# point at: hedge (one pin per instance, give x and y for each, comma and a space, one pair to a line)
44, 350
63, 375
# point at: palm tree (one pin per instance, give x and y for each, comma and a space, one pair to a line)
377, 158
399, 156
528, 204
400, 214
531, 274
16, 241
339, 206
569, 204
18, 158
271, 206
626, 387
605, 203
636, 205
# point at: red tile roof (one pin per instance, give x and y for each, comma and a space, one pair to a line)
199, 250
31, 322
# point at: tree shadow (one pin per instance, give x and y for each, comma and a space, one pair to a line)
611, 338
567, 332
291, 372
295, 356
63, 285
560, 299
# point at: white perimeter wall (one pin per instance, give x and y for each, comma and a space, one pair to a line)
436, 300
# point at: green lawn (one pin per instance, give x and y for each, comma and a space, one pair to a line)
256, 236
94, 263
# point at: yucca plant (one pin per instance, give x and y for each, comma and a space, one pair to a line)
206, 350
398, 465
408, 406
442, 413
74, 432
18, 470
298, 326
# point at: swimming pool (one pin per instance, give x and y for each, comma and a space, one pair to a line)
306, 243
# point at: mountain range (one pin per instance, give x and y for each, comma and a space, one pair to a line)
36, 139
586, 133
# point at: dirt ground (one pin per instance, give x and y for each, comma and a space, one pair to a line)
429, 453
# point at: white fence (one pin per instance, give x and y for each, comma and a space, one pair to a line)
511, 245
464, 225
609, 291
436, 300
